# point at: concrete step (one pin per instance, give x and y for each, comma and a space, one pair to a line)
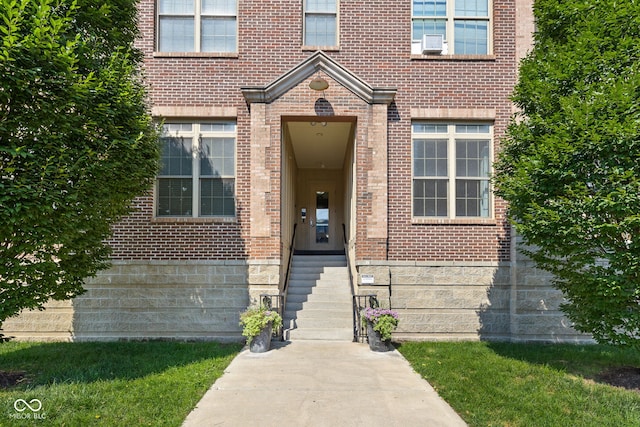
331, 334
312, 290
320, 284
302, 324
319, 313
305, 322
319, 302
337, 282
342, 297
315, 268
326, 276
319, 305
319, 259
319, 263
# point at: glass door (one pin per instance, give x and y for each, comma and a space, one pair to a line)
319, 210
322, 231
323, 217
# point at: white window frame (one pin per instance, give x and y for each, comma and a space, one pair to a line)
306, 13
450, 20
197, 133
452, 136
197, 30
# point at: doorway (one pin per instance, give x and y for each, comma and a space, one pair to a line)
323, 218
318, 158
321, 211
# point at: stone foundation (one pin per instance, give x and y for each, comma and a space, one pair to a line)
146, 300
55, 323
471, 301
444, 301
202, 300
536, 311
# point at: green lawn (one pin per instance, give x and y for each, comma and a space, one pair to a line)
500, 384
109, 384
158, 383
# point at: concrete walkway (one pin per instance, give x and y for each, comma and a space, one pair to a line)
321, 383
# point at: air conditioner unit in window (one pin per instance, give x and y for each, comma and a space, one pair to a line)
432, 43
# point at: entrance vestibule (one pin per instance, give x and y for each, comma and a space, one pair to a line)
320, 164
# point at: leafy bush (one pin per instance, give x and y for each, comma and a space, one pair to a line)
384, 320
569, 165
254, 320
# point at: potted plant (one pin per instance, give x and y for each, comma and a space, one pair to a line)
380, 323
257, 325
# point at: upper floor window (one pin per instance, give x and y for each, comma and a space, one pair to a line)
197, 176
451, 168
320, 23
197, 26
463, 26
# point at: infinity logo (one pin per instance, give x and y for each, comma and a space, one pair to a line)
21, 405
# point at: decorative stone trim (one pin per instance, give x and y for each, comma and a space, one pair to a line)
454, 113
319, 61
189, 111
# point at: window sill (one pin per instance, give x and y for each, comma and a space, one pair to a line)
454, 221
192, 220
230, 55
453, 57
323, 48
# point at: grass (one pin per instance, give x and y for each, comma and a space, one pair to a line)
110, 384
158, 383
509, 385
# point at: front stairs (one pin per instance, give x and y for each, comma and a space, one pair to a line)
319, 302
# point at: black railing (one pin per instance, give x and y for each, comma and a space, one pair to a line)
286, 276
282, 297
274, 302
360, 302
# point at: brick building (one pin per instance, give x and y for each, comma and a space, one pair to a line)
320, 125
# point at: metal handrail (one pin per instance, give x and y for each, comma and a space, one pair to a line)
286, 276
360, 302
274, 302
353, 292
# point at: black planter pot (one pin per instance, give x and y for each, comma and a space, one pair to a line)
262, 342
375, 340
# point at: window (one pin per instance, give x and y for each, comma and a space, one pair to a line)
451, 159
197, 176
197, 26
463, 24
320, 23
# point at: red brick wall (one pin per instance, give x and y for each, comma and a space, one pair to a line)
375, 40
139, 237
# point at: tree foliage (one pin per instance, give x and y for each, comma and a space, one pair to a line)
77, 143
570, 163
